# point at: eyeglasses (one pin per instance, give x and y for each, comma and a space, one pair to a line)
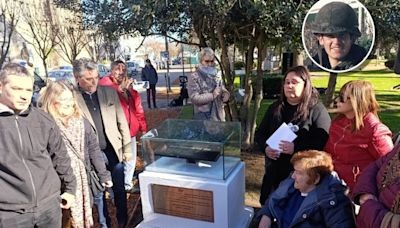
209, 61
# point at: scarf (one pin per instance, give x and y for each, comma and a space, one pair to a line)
74, 139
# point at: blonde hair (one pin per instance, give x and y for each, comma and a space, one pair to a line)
315, 163
48, 99
362, 98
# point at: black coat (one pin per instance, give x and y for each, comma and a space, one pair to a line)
33, 160
313, 134
354, 57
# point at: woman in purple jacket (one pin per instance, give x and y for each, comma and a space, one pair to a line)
378, 192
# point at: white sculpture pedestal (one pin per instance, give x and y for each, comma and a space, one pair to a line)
183, 201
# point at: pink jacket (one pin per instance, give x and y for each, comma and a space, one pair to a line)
133, 109
353, 151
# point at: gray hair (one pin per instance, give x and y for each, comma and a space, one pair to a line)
206, 51
13, 69
80, 66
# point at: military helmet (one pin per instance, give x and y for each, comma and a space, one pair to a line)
336, 17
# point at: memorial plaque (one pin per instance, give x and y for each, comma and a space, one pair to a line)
183, 202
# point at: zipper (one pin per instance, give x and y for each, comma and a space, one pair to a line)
341, 138
24, 162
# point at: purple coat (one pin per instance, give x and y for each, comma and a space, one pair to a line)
381, 179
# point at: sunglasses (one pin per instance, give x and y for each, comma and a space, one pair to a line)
209, 61
341, 98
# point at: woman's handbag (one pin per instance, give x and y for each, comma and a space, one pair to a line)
93, 179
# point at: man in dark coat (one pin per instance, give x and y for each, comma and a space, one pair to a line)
336, 28
34, 160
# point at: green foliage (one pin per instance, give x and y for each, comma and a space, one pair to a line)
272, 85
239, 65
390, 64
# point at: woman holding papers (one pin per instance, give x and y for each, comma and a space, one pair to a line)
357, 137
299, 107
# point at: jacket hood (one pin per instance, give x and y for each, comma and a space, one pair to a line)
6, 111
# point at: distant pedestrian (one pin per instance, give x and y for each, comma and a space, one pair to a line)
34, 160
150, 74
206, 89
134, 113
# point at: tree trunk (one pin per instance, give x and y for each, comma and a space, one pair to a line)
330, 91
245, 109
397, 61
262, 53
232, 106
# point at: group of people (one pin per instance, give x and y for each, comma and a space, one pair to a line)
50, 147
358, 150
95, 124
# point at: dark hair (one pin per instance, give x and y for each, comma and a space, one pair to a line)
116, 63
308, 99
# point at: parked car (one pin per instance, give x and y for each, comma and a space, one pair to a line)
56, 75
103, 70
65, 67
133, 68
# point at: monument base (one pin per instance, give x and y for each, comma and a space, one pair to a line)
171, 200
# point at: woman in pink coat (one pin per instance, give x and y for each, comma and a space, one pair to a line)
357, 137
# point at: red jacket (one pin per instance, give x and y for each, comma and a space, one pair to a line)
353, 151
133, 109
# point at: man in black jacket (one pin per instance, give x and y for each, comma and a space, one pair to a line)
33, 160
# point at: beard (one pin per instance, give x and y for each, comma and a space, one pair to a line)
209, 71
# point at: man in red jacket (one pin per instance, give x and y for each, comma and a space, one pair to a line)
134, 113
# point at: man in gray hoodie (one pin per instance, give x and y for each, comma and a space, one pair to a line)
33, 161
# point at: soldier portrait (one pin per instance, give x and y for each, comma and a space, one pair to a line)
338, 36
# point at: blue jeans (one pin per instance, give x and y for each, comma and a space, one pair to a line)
129, 168
46, 216
117, 173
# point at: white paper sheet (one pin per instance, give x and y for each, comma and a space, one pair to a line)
282, 133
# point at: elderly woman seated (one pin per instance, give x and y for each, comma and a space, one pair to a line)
312, 197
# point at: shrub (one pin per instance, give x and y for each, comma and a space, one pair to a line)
272, 85
239, 65
390, 64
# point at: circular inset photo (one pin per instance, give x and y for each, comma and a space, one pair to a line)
339, 35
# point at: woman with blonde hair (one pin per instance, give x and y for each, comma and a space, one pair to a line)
357, 137
59, 101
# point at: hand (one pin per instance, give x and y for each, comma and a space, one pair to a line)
67, 200
271, 153
217, 91
107, 184
127, 156
286, 147
225, 95
265, 222
365, 197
